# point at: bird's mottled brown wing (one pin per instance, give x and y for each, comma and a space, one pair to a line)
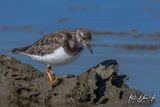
45, 45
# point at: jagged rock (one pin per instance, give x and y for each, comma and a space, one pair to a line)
22, 85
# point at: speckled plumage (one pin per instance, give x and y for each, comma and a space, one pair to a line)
72, 42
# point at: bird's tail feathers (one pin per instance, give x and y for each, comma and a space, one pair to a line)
19, 50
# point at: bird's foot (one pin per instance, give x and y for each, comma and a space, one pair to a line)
54, 82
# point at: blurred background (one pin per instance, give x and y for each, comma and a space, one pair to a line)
125, 30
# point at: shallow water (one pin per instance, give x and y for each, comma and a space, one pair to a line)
24, 22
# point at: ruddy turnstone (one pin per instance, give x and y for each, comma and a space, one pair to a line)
58, 48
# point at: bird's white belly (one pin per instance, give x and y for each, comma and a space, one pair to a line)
58, 57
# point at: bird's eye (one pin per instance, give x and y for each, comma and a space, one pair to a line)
83, 38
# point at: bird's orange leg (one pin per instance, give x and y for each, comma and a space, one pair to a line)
51, 75
52, 72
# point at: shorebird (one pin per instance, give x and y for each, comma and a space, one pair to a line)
58, 48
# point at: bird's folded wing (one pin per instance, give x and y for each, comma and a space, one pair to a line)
45, 45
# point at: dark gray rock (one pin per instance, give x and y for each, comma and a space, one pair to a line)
22, 85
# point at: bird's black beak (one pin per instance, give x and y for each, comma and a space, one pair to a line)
89, 48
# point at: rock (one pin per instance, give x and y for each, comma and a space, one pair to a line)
90, 85
22, 85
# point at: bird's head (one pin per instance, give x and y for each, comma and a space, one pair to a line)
84, 36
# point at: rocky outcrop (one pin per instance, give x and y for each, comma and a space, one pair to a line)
23, 85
